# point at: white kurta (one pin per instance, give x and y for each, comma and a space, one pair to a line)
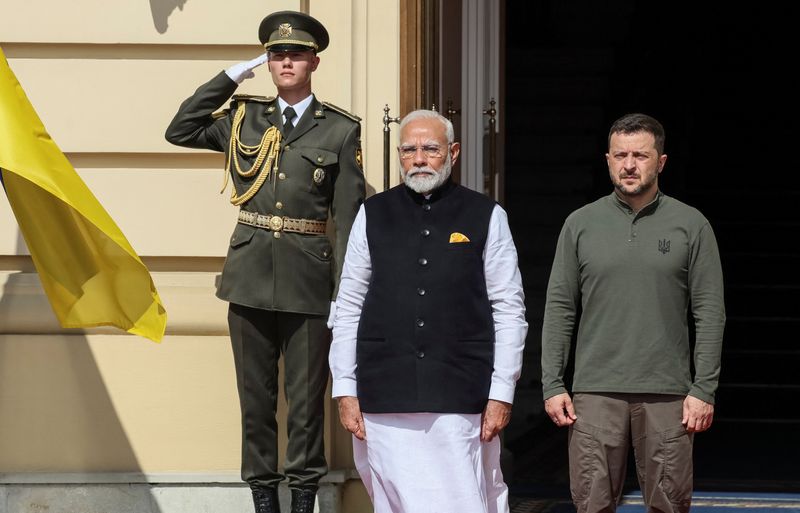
419, 462
430, 463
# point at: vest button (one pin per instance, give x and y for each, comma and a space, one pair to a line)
421, 354
421, 292
279, 205
282, 176
423, 261
425, 232
426, 207
420, 323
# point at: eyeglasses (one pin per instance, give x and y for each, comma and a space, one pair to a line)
430, 150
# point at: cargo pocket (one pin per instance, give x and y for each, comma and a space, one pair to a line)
583, 461
676, 467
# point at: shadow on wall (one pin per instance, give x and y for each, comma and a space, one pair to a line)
161, 10
56, 414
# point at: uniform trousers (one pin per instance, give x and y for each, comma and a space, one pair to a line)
430, 463
608, 424
259, 338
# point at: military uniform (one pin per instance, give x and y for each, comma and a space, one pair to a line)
281, 271
318, 168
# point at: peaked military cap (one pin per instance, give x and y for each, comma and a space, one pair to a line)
292, 31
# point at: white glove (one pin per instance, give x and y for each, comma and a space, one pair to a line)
244, 70
332, 315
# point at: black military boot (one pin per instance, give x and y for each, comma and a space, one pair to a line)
265, 499
303, 500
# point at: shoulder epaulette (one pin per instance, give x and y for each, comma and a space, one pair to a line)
341, 111
253, 98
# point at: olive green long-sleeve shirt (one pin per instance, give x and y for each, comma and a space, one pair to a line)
633, 277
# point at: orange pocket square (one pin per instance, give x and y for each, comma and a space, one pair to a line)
458, 237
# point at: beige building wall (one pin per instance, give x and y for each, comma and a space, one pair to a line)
106, 77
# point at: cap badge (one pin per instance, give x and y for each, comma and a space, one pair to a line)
285, 30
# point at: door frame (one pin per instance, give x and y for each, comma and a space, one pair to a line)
429, 66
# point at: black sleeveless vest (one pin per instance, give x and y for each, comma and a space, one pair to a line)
426, 334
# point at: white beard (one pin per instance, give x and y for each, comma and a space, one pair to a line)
424, 183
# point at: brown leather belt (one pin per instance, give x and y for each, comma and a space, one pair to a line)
282, 224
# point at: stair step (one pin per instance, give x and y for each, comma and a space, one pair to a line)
748, 450
526, 217
554, 119
538, 150
549, 179
760, 368
746, 403
561, 61
769, 333
762, 268
566, 90
775, 237
726, 206
762, 300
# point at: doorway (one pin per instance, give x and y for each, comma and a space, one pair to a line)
729, 113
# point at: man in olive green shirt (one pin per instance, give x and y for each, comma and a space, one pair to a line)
632, 263
292, 160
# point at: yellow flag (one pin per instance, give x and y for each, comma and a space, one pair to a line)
91, 274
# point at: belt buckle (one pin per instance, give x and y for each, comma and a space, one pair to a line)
276, 223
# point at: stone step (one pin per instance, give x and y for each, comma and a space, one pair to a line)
167, 493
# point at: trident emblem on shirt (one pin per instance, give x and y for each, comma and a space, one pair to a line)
663, 246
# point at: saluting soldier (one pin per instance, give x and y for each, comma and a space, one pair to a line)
292, 160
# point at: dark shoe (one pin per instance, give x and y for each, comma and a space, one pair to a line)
266, 500
303, 500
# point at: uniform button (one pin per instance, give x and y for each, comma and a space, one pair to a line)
320, 160
279, 205
325, 253
420, 323
421, 354
421, 292
282, 176
426, 207
423, 261
425, 232
287, 147
277, 235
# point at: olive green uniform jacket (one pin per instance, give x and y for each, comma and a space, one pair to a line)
319, 172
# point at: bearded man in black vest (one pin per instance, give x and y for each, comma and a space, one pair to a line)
428, 336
